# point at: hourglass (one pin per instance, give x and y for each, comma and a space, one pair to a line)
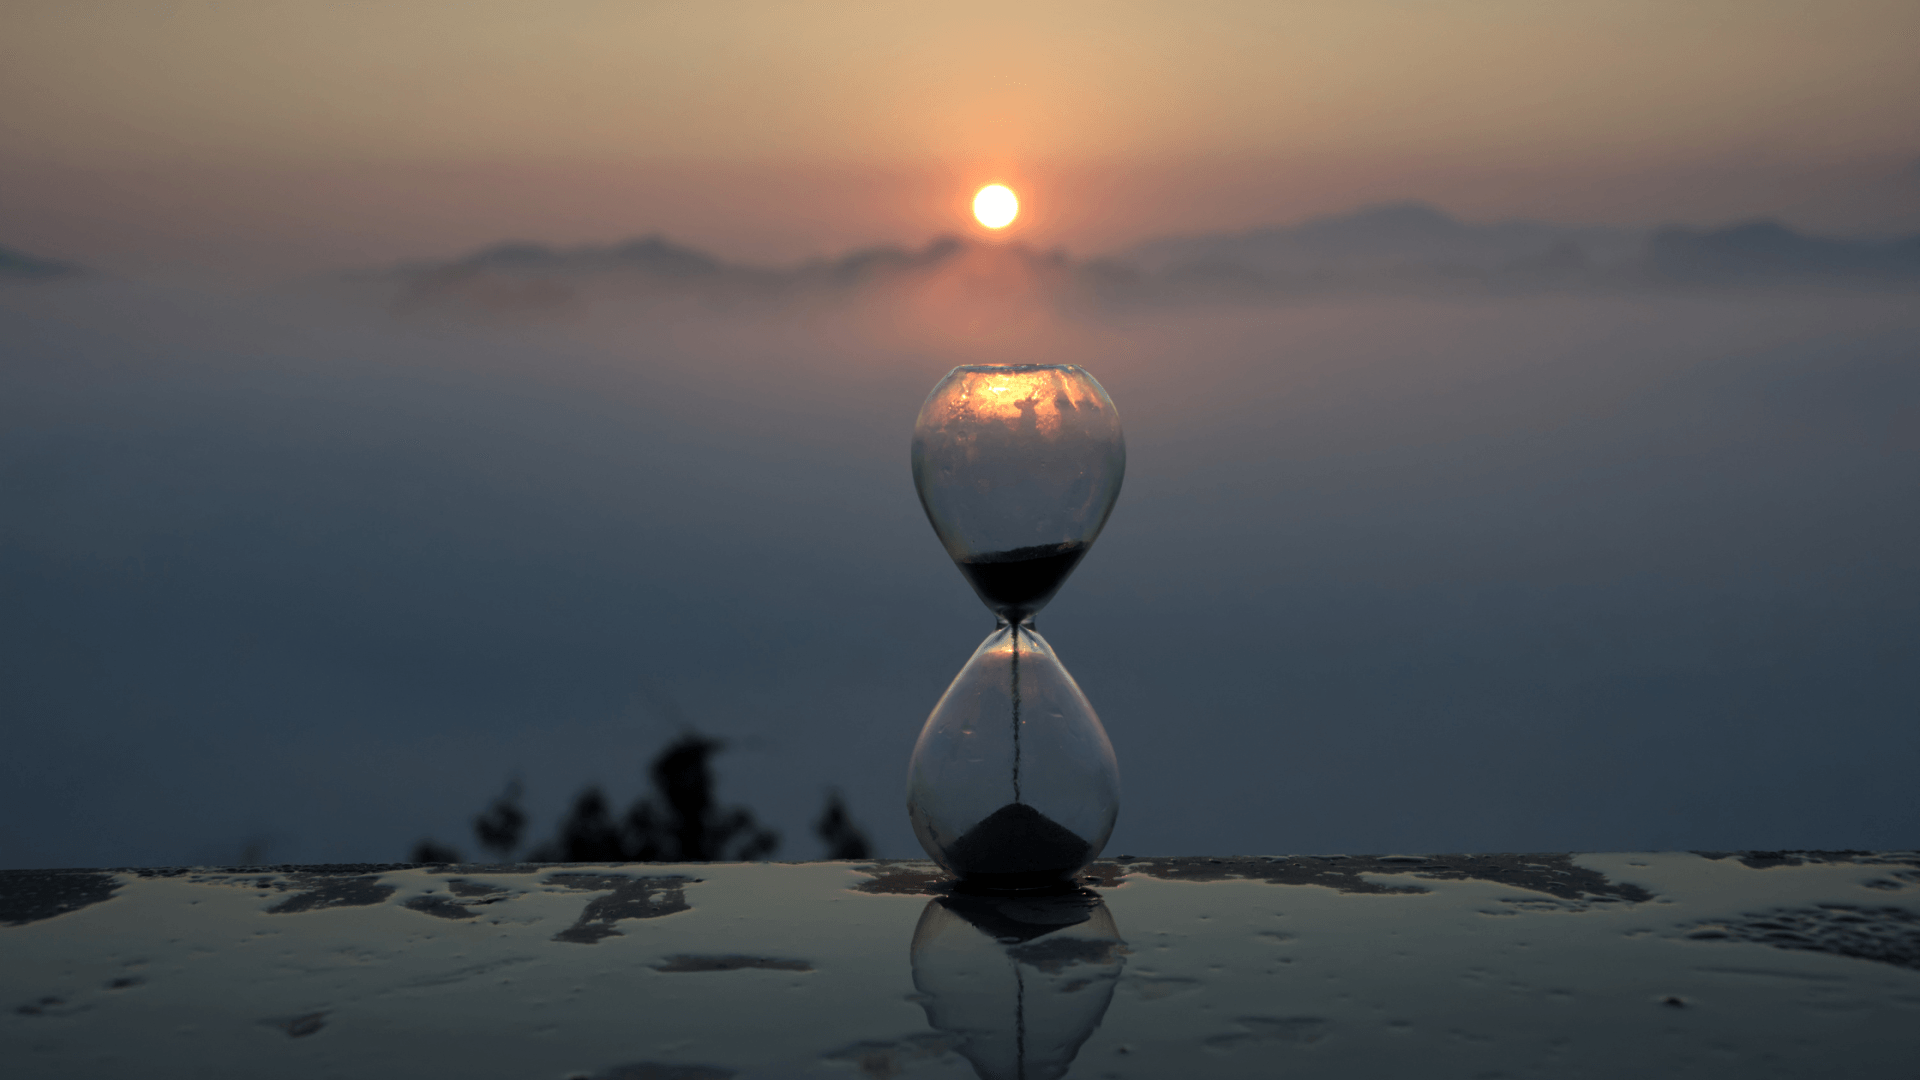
1013, 784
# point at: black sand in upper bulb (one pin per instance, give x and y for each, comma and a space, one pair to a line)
1018, 583
1018, 847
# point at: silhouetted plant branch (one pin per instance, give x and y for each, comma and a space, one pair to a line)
502, 824
843, 838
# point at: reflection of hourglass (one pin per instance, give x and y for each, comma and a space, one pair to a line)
1020, 982
1013, 783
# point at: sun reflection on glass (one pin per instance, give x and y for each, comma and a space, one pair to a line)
1016, 395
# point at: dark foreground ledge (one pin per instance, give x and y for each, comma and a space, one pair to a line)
1712, 964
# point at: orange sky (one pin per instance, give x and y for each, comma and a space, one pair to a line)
276, 137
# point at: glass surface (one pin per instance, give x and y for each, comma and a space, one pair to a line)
1013, 783
1018, 467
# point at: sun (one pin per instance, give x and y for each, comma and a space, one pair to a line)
995, 206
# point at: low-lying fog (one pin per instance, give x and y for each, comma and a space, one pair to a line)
305, 577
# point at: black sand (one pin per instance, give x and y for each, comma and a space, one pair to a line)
1018, 847
1018, 583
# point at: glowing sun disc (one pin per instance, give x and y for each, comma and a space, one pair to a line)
995, 206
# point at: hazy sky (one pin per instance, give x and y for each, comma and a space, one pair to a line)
281, 137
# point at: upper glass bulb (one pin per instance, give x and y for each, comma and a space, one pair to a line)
1018, 467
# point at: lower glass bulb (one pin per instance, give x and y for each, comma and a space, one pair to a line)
1013, 783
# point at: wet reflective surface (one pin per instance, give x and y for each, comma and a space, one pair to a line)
1754, 964
1018, 982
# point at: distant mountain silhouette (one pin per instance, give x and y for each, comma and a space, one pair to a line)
525, 278
1394, 236
518, 277
1766, 251
654, 255
1401, 247
1413, 245
19, 265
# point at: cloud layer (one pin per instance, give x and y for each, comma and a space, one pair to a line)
1586, 569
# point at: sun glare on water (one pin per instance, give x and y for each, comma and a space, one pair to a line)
995, 206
